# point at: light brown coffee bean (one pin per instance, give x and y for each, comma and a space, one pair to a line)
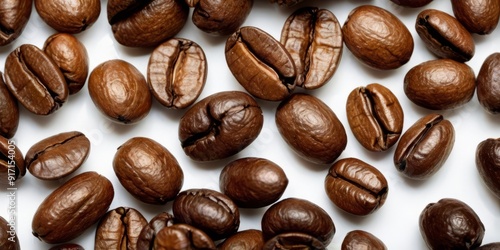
69, 16
9, 111
119, 229
488, 84
16, 14
477, 16
182, 236
12, 167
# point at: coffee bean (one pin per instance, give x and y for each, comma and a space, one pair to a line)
286, 3
220, 17
12, 167
119, 229
13, 23
250, 239
294, 241
69, 17
8, 241
424, 147
359, 239
412, 3
260, 63
488, 84
9, 111
183, 236
67, 246
149, 231
488, 164
313, 37
476, 16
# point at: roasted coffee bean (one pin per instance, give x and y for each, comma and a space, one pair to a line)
479, 17
488, 164
57, 156
182, 236
69, 16
12, 167
220, 17
293, 240
286, 3
490, 246
440, 84
444, 35
149, 231
298, 216
313, 37
253, 182
15, 15
356, 186
260, 63
120, 91
377, 37
209, 210
148, 171
8, 236
359, 239
119, 229
450, 224
311, 128
177, 72
250, 239
488, 84
424, 147
220, 126
9, 111
71, 57
35, 80
67, 246
412, 3
86, 198
375, 116
137, 23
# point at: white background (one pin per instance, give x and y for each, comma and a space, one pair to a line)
396, 223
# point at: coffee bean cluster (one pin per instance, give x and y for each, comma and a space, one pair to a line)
190, 166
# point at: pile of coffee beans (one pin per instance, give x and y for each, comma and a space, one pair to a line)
244, 124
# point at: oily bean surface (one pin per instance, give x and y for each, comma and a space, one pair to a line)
359, 239
149, 231
220, 17
183, 236
12, 166
9, 111
479, 17
119, 228
488, 164
286, 3
14, 15
69, 16
250, 239
412, 3
294, 241
488, 84
5, 237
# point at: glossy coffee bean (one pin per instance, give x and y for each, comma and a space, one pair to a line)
182, 236
412, 3
35, 80
377, 37
488, 164
359, 239
9, 111
119, 229
177, 72
57, 156
356, 187
67, 246
294, 241
440, 84
444, 35
149, 231
148, 171
311, 128
220, 125
479, 17
313, 37
260, 63
450, 224
12, 167
286, 3
250, 239
8, 236
375, 116
488, 84
17, 15
424, 147
69, 16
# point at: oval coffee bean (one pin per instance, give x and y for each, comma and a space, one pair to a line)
71, 57
183, 236
479, 17
488, 164
356, 187
377, 37
35, 80
67, 246
294, 241
177, 72
250, 239
12, 167
424, 147
148, 171
375, 116
220, 17
13, 23
9, 111
70, 17
298, 216
412, 3
488, 84
440, 84
149, 231
8, 241
450, 224
444, 35
359, 239
208, 210
311, 128
57, 156
261, 64
313, 37
86, 198
119, 229
119, 90
253, 182
220, 126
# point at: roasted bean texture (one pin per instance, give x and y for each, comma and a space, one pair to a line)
182, 236
14, 15
220, 17
119, 229
412, 3
488, 163
149, 231
67, 246
8, 236
488, 84
250, 239
359, 239
479, 17
12, 167
69, 16
9, 111
294, 241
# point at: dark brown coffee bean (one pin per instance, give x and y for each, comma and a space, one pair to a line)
294, 215
261, 64
490, 246
289, 241
479, 17
16, 15
311, 128
182, 236
119, 91
377, 37
9, 111
253, 182
356, 187
313, 37
440, 84
359, 239
69, 17
488, 164
412, 3
57, 156
444, 35
375, 116
209, 210
71, 57
450, 224
67, 246
119, 229
8, 236
220, 126
177, 72
250, 239
35, 80
424, 147
488, 84
138, 23
148, 171
86, 198
12, 167
149, 231
286, 3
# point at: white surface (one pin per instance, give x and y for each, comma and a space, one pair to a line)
396, 223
